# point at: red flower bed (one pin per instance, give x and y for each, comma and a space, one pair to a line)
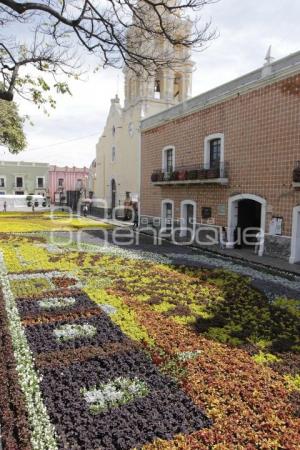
248, 403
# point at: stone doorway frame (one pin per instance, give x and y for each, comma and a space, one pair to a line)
233, 203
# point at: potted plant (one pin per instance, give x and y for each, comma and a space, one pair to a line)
160, 176
168, 175
201, 174
192, 174
213, 172
182, 175
154, 177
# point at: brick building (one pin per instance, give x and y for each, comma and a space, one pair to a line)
228, 158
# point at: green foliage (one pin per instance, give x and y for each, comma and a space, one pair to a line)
293, 382
265, 358
39, 91
245, 315
11, 127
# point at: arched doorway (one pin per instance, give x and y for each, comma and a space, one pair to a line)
295, 244
245, 211
188, 218
113, 187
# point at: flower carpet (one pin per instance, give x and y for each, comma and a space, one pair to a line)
114, 350
14, 222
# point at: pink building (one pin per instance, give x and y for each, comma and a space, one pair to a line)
64, 179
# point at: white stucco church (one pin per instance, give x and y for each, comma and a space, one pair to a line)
118, 148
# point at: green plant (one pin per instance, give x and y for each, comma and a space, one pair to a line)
265, 358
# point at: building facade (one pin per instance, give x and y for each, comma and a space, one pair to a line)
118, 149
23, 178
92, 179
66, 179
229, 158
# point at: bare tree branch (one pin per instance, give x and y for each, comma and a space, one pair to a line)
118, 32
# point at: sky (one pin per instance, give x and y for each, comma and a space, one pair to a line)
246, 28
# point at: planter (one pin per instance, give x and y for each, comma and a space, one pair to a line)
160, 176
154, 177
201, 174
212, 173
192, 175
167, 176
296, 175
182, 175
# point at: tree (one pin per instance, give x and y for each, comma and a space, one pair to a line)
117, 32
11, 127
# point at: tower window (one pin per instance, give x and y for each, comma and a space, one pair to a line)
113, 130
113, 153
157, 89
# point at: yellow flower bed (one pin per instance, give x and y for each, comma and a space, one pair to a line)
26, 223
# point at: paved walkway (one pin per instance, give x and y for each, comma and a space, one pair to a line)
241, 255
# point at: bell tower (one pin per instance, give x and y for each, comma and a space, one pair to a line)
171, 83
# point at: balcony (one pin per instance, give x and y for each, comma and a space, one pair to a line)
192, 175
296, 175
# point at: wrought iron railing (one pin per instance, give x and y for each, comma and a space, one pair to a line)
191, 173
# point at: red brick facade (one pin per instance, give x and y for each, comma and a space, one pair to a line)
261, 130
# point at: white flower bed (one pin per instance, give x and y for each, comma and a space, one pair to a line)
56, 302
239, 268
42, 431
115, 393
73, 331
114, 250
47, 276
186, 356
108, 309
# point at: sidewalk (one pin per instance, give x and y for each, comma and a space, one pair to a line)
245, 256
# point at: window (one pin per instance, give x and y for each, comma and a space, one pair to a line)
167, 211
2, 192
215, 152
157, 89
40, 182
2, 182
113, 153
60, 182
168, 162
19, 182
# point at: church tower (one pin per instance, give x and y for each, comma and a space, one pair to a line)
145, 93
167, 87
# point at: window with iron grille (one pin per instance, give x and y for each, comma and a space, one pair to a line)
169, 160
215, 152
